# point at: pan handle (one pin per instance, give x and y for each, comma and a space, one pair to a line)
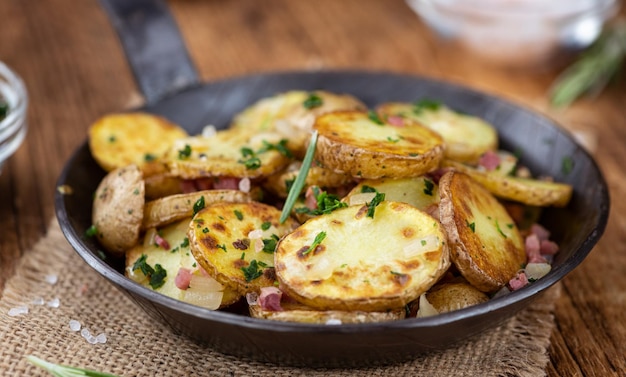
153, 46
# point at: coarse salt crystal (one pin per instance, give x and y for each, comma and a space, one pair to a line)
54, 303
74, 325
101, 338
91, 339
19, 310
85, 333
52, 279
38, 301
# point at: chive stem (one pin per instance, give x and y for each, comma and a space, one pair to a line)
298, 184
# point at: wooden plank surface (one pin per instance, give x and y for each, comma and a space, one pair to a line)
75, 71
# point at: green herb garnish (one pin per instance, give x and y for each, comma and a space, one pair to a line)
472, 226
312, 101
155, 275
297, 186
567, 165
266, 225
426, 104
371, 206
253, 271
184, 153
316, 242
366, 188
91, 231
198, 205
373, 116
59, 370
428, 187
499, 229
269, 244
280, 147
238, 214
326, 203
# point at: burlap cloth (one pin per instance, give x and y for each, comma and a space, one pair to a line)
137, 346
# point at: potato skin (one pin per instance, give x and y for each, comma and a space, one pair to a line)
350, 142
485, 244
363, 263
532, 192
454, 295
295, 312
118, 209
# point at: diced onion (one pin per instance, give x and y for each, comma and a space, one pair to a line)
426, 309
361, 198
148, 239
209, 131
255, 234
209, 300
421, 246
203, 283
320, 270
536, 271
244, 185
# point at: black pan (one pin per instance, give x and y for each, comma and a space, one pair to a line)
171, 86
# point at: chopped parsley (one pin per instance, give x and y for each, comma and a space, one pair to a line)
326, 203
567, 165
149, 157
312, 101
426, 104
222, 246
366, 188
500, 230
91, 231
280, 147
198, 205
371, 206
472, 226
251, 163
185, 242
156, 275
184, 153
269, 244
238, 214
253, 271
316, 242
392, 140
112, 139
266, 225
289, 183
373, 116
428, 187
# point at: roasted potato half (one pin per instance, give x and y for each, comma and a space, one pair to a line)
529, 191
176, 207
361, 145
347, 260
229, 153
454, 295
293, 113
420, 192
485, 244
296, 312
118, 140
235, 243
118, 209
466, 137
178, 275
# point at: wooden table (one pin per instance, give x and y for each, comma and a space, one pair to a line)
75, 71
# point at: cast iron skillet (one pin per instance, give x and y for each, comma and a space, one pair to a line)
171, 86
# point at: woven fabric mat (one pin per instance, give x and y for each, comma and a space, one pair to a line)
137, 346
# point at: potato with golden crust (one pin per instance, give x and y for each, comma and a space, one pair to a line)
118, 140
296, 312
466, 137
118, 209
361, 145
485, 244
235, 153
167, 266
293, 113
365, 258
169, 209
454, 295
532, 192
234, 243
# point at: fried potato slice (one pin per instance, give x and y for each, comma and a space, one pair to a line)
420, 192
454, 295
167, 210
317, 176
362, 263
485, 244
118, 140
229, 153
361, 145
293, 113
296, 312
529, 191
466, 137
176, 261
118, 209
229, 239
162, 185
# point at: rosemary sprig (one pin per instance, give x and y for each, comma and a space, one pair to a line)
594, 69
297, 186
65, 371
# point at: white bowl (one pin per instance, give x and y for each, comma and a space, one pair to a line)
517, 32
12, 127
